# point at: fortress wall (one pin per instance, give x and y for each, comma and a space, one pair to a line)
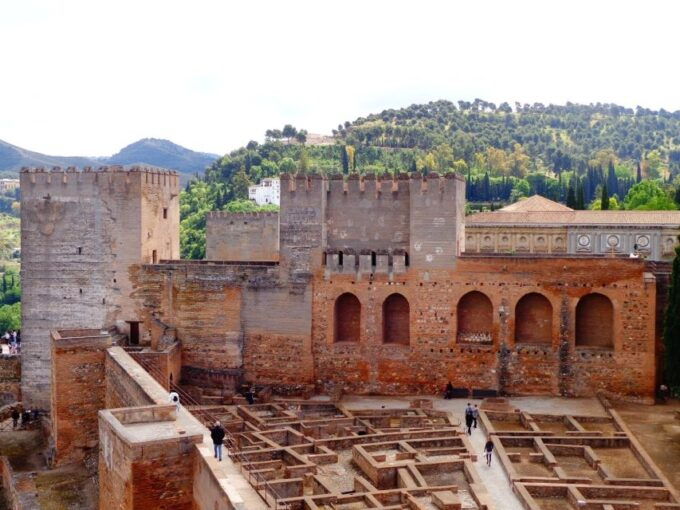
302, 226
81, 231
437, 220
242, 236
434, 355
368, 213
216, 308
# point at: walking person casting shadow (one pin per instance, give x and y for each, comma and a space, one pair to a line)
488, 450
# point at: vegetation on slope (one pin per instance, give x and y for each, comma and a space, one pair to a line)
587, 156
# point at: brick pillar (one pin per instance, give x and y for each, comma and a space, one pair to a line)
78, 390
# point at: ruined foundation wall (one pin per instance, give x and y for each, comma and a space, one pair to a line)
81, 231
242, 236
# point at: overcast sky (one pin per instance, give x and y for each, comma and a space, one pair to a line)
88, 77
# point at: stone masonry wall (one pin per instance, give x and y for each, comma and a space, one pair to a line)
242, 236
81, 232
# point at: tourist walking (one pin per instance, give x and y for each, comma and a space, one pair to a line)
217, 434
448, 391
468, 423
488, 451
475, 416
15, 417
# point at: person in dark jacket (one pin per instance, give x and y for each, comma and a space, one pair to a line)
468, 423
488, 451
448, 391
15, 417
217, 434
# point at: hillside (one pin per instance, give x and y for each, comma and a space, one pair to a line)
569, 153
148, 151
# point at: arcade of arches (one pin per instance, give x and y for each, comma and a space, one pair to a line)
474, 314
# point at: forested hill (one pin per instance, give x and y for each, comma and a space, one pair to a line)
571, 153
560, 136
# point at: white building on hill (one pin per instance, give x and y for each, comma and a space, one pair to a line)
267, 192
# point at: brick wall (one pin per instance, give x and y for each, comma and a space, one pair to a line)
78, 391
140, 469
434, 355
10, 379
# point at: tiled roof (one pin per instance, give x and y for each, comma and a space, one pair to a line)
572, 218
535, 203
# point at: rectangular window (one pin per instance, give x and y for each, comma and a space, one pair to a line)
154, 257
165, 213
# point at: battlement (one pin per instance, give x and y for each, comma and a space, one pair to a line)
371, 183
241, 215
111, 175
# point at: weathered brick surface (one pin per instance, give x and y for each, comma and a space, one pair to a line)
78, 391
435, 356
10, 379
242, 236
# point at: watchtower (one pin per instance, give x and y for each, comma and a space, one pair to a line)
81, 231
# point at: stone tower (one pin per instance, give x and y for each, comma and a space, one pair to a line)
81, 231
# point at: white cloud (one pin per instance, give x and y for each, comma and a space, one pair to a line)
87, 77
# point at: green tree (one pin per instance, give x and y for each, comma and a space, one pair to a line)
301, 136
571, 194
580, 195
604, 198
344, 159
671, 331
240, 184
289, 132
10, 317
303, 162
287, 166
248, 206
648, 195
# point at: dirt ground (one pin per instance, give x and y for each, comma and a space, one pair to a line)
659, 432
65, 488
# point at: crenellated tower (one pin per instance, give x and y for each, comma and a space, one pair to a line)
81, 231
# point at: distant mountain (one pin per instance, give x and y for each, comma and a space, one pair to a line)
163, 153
148, 151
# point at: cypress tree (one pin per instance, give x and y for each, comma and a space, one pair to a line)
671, 330
604, 201
580, 196
344, 159
639, 173
571, 195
